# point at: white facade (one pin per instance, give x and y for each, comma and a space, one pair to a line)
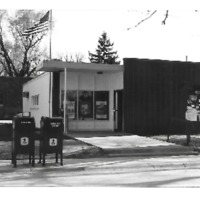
78, 79
92, 81
37, 87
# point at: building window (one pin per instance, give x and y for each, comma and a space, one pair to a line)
101, 105
84, 105
71, 103
25, 94
35, 100
1, 99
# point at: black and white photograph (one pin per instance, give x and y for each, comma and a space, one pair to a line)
100, 96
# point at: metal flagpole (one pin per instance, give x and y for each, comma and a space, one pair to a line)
50, 35
50, 79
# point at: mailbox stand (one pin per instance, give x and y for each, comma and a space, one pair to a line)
51, 138
23, 140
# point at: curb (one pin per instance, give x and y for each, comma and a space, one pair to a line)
149, 154
151, 151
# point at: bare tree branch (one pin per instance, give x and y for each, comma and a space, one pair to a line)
166, 16
7, 57
69, 57
4, 68
1, 68
19, 57
79, 57
32, 71
143, 20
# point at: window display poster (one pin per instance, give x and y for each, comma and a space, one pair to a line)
85, 104
101, 105
101, 110
85, 108
70, 104
71, 109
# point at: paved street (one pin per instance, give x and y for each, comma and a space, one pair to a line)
170, 171
129, 162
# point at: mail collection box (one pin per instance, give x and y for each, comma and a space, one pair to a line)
23, 140
51, 137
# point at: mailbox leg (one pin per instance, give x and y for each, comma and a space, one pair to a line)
61, 159
40, 152
29, 158
33, 160
40, 156
14, 160
15, 164
13, 151
56, 157
43, 159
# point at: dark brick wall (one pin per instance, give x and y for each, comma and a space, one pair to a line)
11, 88
155, 95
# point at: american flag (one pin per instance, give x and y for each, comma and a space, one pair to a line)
41, 26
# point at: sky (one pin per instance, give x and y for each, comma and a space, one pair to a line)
78, 25
79, 31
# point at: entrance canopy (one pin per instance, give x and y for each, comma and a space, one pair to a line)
57, 65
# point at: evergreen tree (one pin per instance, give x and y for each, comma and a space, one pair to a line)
104, 52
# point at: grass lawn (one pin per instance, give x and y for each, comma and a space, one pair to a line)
72, 148
181, 139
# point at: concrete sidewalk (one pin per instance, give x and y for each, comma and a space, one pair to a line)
133, 145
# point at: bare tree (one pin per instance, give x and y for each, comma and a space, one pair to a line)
150, 15
79, 57
143, 20
19, 56
70, 57
1, 70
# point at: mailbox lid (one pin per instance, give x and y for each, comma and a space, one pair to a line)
23, 124
52, 125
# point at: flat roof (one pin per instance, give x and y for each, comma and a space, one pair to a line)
58, 65
160, 60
